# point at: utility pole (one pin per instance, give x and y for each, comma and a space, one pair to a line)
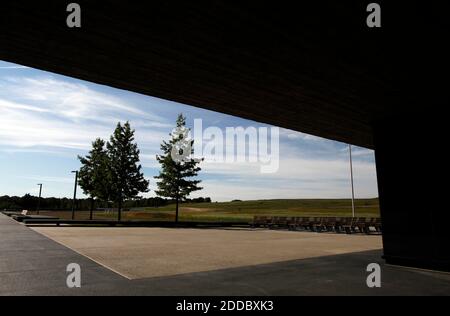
39, 199
351, 177
74, 194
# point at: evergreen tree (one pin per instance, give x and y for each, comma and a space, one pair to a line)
93, 176
125, 176
177, 167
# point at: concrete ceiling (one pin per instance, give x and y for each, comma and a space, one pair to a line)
318, 70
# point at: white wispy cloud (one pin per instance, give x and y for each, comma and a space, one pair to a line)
48, 179
67, 99
48, 112
293, 135
5, 104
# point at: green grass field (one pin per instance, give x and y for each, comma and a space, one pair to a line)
241, 210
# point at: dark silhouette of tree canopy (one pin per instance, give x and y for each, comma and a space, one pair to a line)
175, 176
29, 202
125, 176
93, 176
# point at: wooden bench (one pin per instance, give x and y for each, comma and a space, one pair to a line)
357, 224
296, 222
290, 220
371, 222
260, 221
315, 224
279, 221
346, 225
329, 223
377, 224
360, 224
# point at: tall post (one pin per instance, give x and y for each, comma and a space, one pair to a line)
74, 194
91, 210
176, 211
119, 211
351, 179
39, 199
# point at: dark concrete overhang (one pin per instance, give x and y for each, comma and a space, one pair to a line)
318, 70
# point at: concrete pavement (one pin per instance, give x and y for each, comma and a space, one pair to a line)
31, 264
152, 252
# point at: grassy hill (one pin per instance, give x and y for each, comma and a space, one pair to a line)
245, 210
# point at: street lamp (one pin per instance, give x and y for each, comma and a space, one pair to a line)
39, 200
351, 177
74, 194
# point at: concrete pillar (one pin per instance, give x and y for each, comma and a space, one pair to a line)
412, 163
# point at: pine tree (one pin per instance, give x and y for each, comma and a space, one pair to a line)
126, 178
93, 176
175, 175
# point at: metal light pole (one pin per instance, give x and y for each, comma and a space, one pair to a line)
39, 200
74, 194
351, 177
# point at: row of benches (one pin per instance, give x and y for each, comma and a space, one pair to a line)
320, 224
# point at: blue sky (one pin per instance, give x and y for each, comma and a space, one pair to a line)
46, 120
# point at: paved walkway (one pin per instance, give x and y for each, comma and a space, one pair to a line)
31, 264
152, 252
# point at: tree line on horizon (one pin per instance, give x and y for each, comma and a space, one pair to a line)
30, 202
